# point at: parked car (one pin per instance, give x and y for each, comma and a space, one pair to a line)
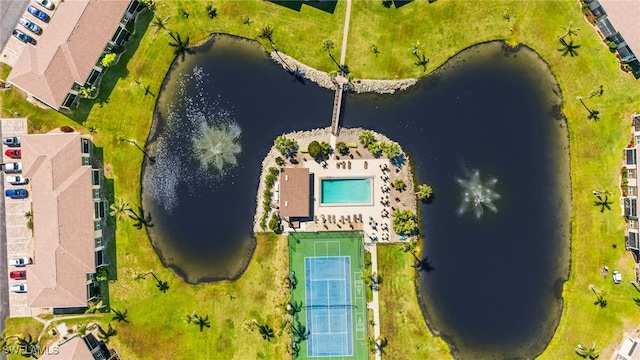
23, 37
47, 4
12, 167
20, 261
16, 193
19, 288
11, 141
16, 180
13, 153
37, 13
18, 274
31, 26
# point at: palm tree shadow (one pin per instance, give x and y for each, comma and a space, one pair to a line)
423, 264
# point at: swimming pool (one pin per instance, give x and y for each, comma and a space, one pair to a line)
353, 191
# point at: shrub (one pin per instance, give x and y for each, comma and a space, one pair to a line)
102, 274
66, 129
274, 223
612, 46
315, 150
279, 161
108, 59
342, 148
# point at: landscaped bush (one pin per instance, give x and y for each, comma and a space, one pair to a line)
342, 148
274, 223
279, 161
102, 274
66, 129
108, 59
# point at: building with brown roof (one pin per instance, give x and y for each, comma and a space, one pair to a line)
619, 21
67, 54
80, 348
294, 193
68, 217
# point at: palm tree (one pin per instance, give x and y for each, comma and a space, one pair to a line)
568, 48
327, 46
94, 306
202, 322
266, 32
163, 286
415, 49
603, 203
105, 335
119, 209
300, 332
377, 345
82, 328
211, 11
181, 46
424, 192
28, 343
294, 307
375, 50
593, 114
86, 91
120, 316
410, 246
246, 19
266, 331
158, 23
587, 353
568, 31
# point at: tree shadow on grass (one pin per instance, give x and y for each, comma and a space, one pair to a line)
114, 73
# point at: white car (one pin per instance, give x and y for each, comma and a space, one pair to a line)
16, 180
47, 4
13, 167
19, 288
20, 261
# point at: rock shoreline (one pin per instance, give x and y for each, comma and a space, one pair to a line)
325, 80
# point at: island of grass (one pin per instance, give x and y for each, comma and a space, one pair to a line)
336, 204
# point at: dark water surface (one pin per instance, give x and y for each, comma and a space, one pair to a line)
495, 287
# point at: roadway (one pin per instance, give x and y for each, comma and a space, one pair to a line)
10, 12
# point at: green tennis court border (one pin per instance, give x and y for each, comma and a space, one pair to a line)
303, 244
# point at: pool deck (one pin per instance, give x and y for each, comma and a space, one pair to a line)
344, 217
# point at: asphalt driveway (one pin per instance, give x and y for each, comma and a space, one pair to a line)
10, 12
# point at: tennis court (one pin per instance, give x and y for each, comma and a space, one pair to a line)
332, 294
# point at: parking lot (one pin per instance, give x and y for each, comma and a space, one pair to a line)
19, 237
14, 47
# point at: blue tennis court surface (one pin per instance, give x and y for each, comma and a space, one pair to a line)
329, 307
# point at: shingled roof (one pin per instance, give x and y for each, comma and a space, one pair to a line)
63, 225
294, 192
70, 45
625, 17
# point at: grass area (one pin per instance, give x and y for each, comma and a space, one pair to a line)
334, 243
444, 28
400, 315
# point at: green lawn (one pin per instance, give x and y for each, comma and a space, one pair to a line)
444, 28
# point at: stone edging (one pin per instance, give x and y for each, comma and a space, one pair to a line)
323, 79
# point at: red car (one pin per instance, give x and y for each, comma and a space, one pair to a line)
18, 275
13, 153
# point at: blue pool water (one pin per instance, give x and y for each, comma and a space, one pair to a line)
345, 191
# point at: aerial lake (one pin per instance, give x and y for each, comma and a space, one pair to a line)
493, 289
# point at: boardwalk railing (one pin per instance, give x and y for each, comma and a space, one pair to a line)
337, 104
